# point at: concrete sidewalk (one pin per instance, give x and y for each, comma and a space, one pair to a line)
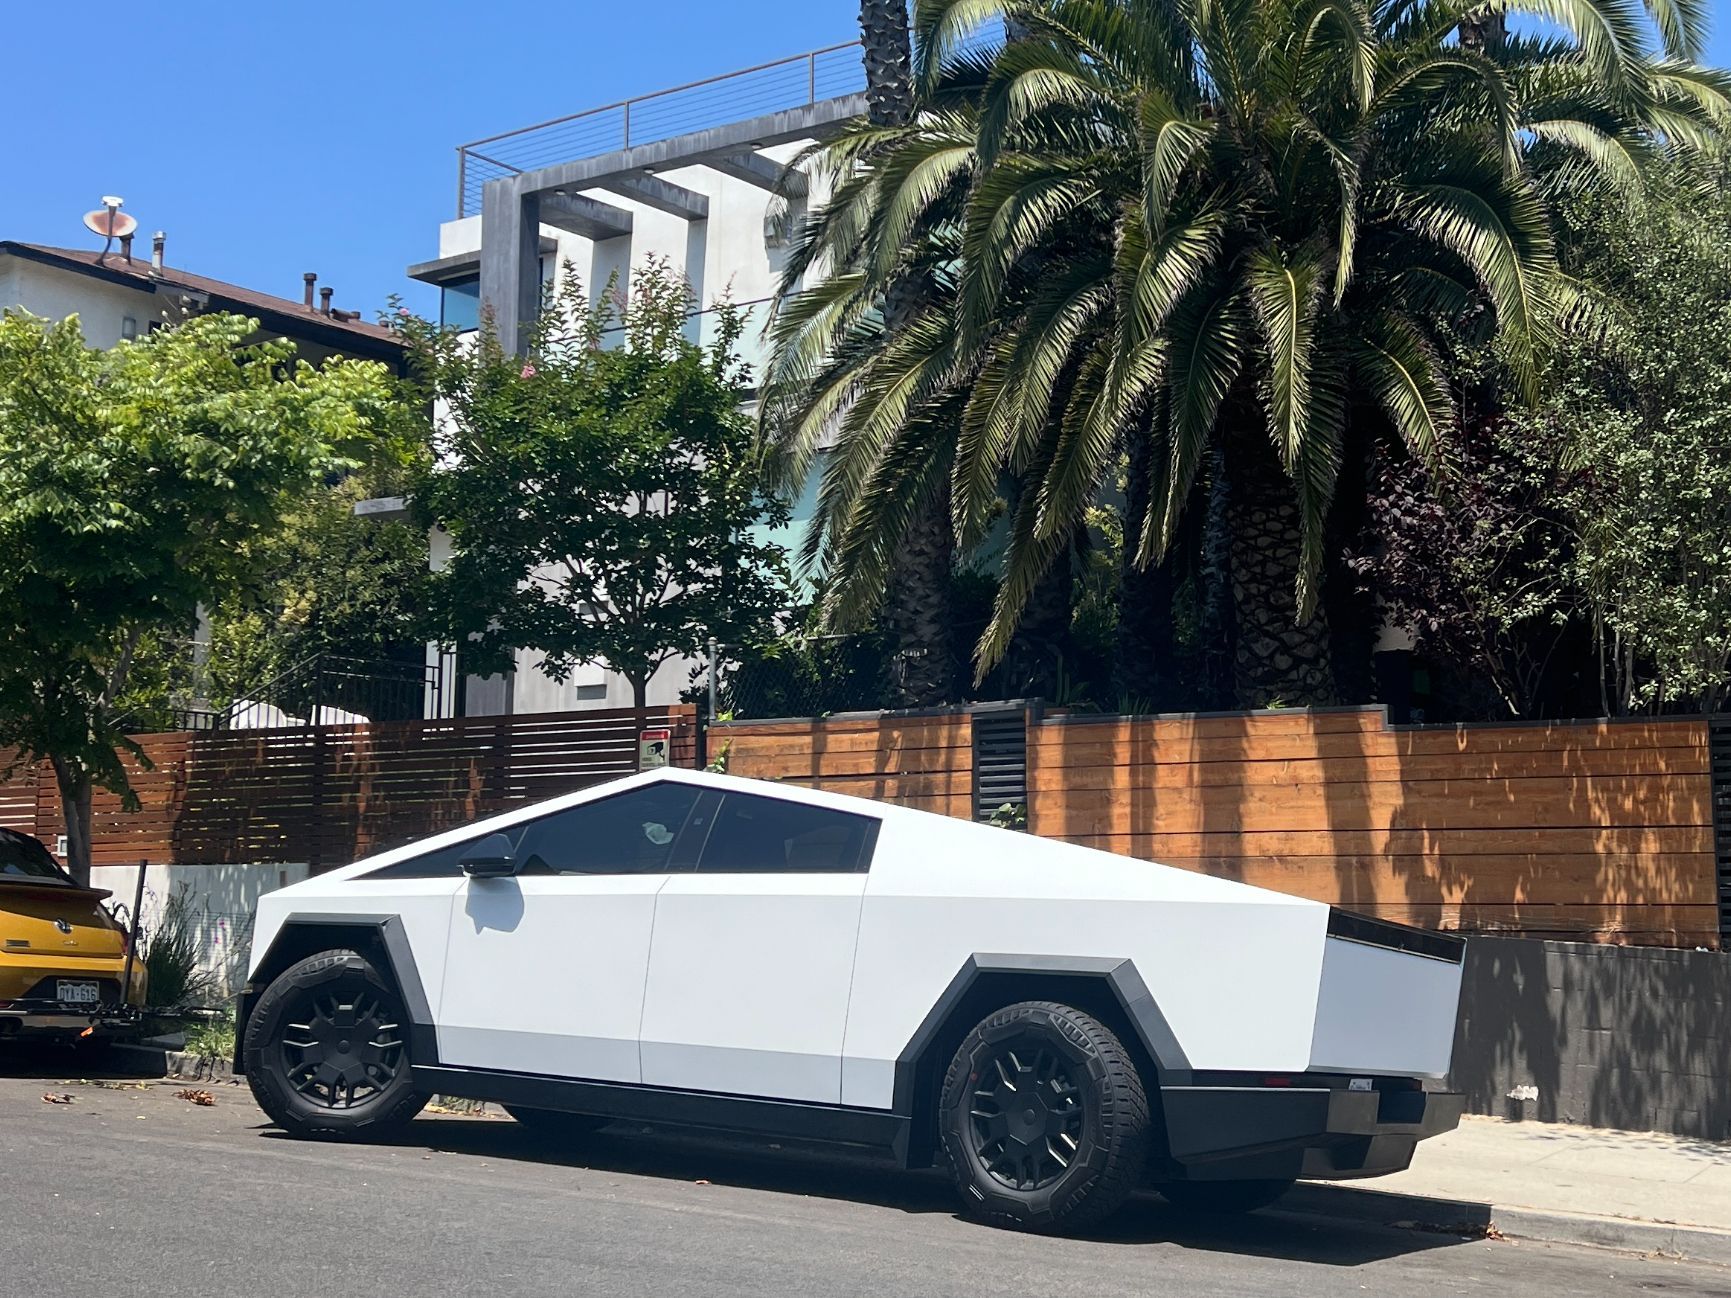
1581, 1185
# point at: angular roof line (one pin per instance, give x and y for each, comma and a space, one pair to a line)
276, 314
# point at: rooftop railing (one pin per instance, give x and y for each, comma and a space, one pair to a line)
796, 82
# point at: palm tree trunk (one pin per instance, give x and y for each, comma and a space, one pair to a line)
1142, 649
1278, 660
889, 63
918, 599
917, 609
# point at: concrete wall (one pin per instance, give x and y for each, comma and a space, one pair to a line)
1637, 1038
223, 901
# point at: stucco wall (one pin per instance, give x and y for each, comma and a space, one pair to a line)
221, 901
102, 308
1637, 1038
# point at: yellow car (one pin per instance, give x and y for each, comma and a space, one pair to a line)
62, 955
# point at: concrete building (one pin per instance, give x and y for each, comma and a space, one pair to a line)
691, 175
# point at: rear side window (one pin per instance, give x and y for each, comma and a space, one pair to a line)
22, 856
754, 835
629, 833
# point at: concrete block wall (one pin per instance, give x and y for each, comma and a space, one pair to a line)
1636, 1038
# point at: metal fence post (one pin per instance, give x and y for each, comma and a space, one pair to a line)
628, 123
462, 182
712, 681
811, 65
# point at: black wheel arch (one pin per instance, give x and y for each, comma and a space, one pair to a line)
381, 938
1109, 989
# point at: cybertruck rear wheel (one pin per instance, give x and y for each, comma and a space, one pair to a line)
326, 1050
1044, 1119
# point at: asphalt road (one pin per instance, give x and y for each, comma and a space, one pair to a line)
129, 1189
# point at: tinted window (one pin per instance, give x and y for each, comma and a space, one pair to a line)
460, 303
632, 833
767, 835
23, 856
629, 833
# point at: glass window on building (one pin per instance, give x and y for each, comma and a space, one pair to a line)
460, 303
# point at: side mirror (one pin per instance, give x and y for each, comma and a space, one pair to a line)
491, 858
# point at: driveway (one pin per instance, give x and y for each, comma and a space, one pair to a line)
130, 1188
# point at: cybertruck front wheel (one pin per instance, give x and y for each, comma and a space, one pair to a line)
326, 1050
1044, 1119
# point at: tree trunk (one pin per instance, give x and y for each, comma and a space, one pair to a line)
1278, 659
76, 790
639, 688
918, 599
918, 612
889, 63
1142, 646
1042, 637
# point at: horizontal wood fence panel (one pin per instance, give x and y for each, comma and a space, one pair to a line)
331, 794
1596, 830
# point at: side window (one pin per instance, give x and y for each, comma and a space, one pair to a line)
754, 835
629, 833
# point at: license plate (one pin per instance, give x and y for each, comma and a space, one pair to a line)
78, 993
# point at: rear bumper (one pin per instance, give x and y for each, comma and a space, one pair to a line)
1236, 1132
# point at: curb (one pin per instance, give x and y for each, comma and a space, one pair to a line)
154, 1061
1467, 1217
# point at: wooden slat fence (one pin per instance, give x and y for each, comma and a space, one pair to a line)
923, 760
1592, 830
329, 794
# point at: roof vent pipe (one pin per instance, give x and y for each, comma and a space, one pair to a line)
325, 299
126, 247
311, 278
157, 241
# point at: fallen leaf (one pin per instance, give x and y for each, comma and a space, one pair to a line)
204, 1098
57, 1099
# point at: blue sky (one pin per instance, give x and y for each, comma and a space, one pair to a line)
268, 140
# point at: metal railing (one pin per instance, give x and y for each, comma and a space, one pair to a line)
796, 82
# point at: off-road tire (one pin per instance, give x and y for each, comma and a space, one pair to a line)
1111, 1137
330, 977
1222, 1197
555, 1125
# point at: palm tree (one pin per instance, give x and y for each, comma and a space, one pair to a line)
1195, 236
917, 587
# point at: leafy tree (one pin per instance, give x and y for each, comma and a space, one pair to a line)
130, 482
602, 496
328, 584
1589, 534
1197, 236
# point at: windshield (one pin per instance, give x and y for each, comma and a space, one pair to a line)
21, 856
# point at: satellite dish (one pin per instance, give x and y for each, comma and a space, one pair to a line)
110, 223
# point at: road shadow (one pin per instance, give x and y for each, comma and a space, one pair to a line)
860, 1177
92, 1062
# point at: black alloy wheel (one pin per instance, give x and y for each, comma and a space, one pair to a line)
1027, 1116
1044, 1119
326, 1050
348, 1050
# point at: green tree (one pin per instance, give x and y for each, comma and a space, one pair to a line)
1194, 238
328, 583
1642, 412
130, 482
602, 496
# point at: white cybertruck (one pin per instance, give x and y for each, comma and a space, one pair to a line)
1062, 1024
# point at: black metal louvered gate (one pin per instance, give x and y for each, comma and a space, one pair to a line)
1000, 760
1719, 766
